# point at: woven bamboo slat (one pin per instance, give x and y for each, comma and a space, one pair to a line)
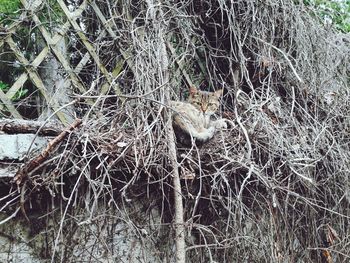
52, 38
17, 85
51, 41
34, 76
8, 104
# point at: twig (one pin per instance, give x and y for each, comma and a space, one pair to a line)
285, 56
36, 161
164, 76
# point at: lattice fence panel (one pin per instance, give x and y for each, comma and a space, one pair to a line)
72, 29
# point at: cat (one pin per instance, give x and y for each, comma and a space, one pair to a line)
193, 117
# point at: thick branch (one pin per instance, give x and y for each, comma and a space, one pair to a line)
36, 161
164, 79
179, 218
16, 126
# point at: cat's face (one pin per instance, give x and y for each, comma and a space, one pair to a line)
204, 101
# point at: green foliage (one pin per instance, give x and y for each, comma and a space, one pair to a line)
3, 86
20, 94
52, 12
334, 11
8, 8
27, 37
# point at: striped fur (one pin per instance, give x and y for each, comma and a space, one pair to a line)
192, 117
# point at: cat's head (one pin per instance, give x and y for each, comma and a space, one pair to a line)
205, 101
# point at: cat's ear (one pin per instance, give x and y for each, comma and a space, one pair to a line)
193, 90
219, 93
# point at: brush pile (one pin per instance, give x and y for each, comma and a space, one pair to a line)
273, 187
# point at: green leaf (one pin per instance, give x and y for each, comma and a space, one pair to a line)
9, 6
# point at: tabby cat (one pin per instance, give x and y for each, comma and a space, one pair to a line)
193, 118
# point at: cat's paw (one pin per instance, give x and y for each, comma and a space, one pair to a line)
220, 124
211, 130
